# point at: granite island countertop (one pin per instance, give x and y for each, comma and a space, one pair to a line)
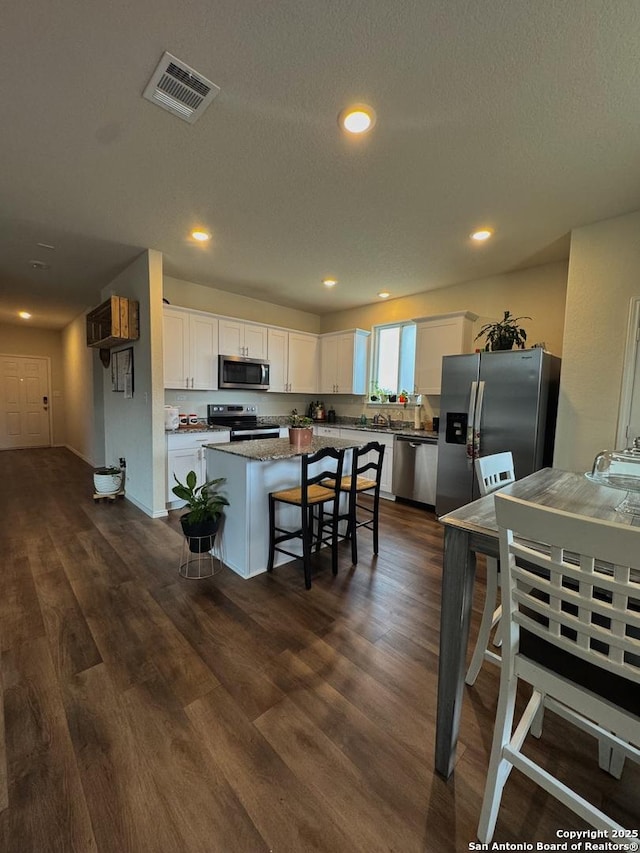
280, 448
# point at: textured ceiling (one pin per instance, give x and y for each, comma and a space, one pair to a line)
510, 113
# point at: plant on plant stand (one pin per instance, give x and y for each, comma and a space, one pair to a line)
204, 503
300, 429
504, 334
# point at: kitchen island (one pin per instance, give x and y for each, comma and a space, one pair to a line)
252, 469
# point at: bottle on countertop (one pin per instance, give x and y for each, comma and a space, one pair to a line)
417, 417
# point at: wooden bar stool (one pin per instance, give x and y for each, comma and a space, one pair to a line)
365, 478
318, 470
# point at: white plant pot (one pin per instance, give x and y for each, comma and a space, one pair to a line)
107, 484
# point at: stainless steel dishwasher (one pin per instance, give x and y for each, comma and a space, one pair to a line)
415, 464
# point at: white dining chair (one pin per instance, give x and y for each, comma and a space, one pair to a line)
493, 472
572, 631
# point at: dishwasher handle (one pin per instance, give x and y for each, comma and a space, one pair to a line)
412, 441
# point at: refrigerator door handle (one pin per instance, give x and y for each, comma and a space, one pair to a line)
477, 418
471, 419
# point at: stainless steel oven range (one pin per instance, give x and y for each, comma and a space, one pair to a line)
241, 420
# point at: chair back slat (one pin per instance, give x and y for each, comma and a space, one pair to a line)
368, 460
575, 584
324, 464
494, 472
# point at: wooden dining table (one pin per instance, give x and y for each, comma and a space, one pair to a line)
472, 529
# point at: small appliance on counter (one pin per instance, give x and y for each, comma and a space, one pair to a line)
171, 417
319, 413
331, 416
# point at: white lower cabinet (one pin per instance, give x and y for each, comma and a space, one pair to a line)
186, 453
329, 432
387, 462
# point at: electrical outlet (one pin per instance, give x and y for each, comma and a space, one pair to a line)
180, 398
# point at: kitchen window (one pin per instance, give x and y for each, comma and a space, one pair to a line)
394, 356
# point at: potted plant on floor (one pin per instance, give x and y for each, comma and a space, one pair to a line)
204, 503
300, 429
107, 480
504, 334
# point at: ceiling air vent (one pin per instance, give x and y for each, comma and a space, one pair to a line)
180, 89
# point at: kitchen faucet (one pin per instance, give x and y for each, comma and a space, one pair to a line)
382, 419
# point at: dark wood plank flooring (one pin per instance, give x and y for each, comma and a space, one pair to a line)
146, 713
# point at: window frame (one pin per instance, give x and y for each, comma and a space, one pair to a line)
375, 355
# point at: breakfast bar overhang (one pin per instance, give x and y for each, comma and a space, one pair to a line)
253, 469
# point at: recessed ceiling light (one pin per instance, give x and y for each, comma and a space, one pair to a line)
45, 245
38, 265
329, 282
482, 234
357, 119
384, 294
200, 236
24, 314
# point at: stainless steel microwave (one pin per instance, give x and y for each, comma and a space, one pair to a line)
235, 371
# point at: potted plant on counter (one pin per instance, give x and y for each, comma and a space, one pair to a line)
300, 429
504, 334
204, 503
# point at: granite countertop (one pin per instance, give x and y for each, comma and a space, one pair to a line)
187, 430
393, 430
418, 433
280, 448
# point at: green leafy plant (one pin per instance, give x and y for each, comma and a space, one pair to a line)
109, 469
299, 421
504, 334
203, 502
376, 390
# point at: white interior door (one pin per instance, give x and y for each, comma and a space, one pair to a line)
24, 402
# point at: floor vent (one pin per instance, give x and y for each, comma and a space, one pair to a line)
181, 90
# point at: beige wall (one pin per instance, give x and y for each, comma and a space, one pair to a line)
23, 340
189, 295
538, 292
83, 408
604, 275
134, 428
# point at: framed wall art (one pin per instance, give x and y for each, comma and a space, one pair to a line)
122, 371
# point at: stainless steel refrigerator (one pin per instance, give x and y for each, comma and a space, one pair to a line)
492, 402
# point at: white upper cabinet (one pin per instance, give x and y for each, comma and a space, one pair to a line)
293, 361
343, 362
245, 339
190, 349
445, 334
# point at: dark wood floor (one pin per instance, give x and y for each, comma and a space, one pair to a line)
142, 712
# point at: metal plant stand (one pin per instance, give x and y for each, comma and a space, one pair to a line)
196, 564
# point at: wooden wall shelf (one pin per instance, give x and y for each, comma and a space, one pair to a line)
112, 323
